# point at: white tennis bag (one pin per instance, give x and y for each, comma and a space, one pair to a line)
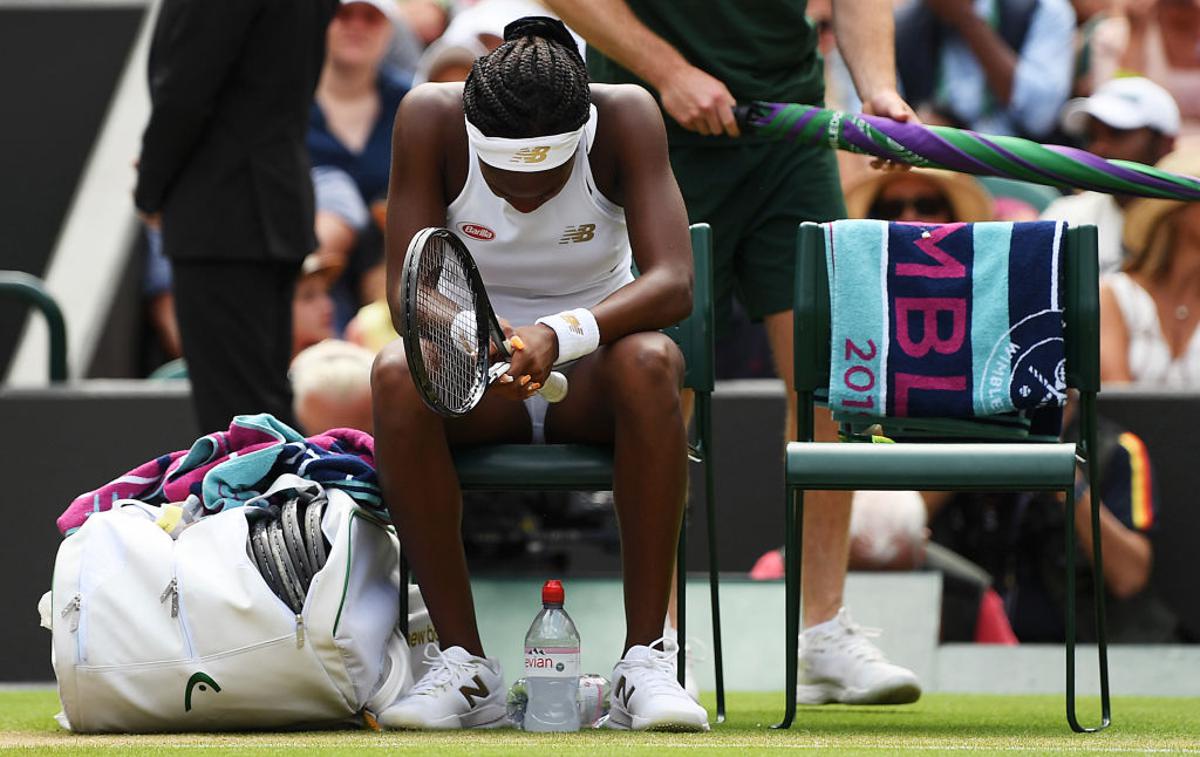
152, 633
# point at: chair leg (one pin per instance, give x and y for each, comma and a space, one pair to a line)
1072, 631
1089, 446
1098, 599
713, 588
404, 583
681, 600
793, 539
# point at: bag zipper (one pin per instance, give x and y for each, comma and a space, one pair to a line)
167, 663
172, 592
74, 609
299, 631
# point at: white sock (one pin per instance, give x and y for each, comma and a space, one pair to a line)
829, 625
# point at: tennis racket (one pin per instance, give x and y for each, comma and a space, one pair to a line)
449, 325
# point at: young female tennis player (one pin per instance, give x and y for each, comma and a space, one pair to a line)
555, 186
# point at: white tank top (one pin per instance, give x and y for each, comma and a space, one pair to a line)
571, 252
1150, 358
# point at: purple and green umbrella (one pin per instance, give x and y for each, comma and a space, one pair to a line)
964, 151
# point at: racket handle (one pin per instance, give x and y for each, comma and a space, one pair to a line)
555, 388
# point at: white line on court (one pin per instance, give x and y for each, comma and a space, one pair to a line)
124, 742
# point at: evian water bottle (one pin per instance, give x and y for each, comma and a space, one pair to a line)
552, 666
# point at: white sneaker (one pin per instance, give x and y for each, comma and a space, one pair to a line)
458, 690
646, 696
838, 663
690, 685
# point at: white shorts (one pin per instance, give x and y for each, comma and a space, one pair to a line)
537, 406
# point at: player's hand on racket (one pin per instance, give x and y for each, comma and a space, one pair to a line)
698, 101
534, 349
494, 351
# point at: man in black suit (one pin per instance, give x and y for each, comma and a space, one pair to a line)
225, 171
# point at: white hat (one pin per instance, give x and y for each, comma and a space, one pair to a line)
1130, 102
386, 7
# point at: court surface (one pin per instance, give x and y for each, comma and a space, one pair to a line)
938, 724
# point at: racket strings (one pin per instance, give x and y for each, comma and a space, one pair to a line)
447, 328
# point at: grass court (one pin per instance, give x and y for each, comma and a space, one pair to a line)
938, 724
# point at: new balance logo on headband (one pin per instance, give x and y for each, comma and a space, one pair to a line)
584, 232
536, 154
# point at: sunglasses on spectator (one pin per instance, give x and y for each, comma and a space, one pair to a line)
929, 205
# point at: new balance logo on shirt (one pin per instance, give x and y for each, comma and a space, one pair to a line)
479, 691
584, 232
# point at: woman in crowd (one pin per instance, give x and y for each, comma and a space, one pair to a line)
1150, 309
349, 144
924, 195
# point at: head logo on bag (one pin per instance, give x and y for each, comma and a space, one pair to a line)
201, 681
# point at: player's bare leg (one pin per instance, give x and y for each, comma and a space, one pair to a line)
627, 393
416, 471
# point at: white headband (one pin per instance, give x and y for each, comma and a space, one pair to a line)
528, 154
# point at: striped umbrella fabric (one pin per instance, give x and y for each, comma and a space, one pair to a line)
963, 150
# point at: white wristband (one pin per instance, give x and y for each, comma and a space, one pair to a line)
577, 331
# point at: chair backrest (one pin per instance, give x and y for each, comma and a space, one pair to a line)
1078, 273
695, 335
30, 289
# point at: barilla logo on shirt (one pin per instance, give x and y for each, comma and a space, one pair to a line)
477, 231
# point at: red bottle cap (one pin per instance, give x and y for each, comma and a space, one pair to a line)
552, 592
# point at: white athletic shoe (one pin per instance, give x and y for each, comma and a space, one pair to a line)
459, 690
646, 696
838, 663
690, 685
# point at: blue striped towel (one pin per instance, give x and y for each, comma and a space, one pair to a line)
947, 321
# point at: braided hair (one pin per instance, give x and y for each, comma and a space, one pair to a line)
534, 84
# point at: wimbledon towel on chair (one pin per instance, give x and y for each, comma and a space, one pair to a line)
947, 321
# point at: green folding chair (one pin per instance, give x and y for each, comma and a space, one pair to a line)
581, 467
33, 292
992, 456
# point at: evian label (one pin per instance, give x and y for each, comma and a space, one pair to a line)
477, 231
552, 662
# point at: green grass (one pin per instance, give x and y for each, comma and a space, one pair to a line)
939, 723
